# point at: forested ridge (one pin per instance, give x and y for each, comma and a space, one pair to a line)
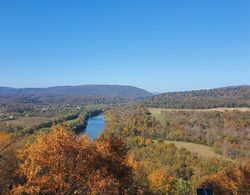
84, 90
24, 99
82, 94
238, 96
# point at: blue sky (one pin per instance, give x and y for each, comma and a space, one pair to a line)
158, 45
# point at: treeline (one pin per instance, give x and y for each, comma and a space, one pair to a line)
161, 168
7, 105
203, 99
22, 104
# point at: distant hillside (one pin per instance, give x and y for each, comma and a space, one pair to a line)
237, 96
83, 90
83, 94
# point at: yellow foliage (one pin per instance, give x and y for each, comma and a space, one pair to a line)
4, 140
234, 181
8, 163
63, 163
149, 142
160, 181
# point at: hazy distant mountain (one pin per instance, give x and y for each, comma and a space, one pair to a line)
81, 90
156, 93
236, 96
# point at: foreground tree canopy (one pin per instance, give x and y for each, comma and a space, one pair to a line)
62, 163
8, 163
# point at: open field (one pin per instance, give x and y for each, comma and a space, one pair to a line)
198, 149
156, 111
28, 121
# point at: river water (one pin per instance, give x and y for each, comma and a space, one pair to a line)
95, 126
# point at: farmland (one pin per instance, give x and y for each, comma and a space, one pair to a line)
28, 121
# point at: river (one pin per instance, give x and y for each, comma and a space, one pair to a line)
95, 126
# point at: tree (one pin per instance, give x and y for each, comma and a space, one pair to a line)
183, 187
5, 141
233, 181
160, 182
63, 163
8, 163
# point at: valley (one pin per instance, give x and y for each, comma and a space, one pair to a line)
110, 97
187, 146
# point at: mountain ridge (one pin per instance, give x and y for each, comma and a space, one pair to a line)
231, 96
85, 90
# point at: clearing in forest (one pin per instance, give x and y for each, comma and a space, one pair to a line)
198, 149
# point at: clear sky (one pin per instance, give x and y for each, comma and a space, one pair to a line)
158, 45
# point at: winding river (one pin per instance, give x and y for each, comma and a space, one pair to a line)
95, 126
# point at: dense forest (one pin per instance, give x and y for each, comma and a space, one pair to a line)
238, 96
160, 167
227, 132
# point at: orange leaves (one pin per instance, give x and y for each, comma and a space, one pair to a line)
236, 181
8, 163
61, 162
160, 181
4, 140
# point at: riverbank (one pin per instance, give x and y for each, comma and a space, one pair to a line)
79, 124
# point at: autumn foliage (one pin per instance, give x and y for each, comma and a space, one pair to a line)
63, 163
4, 140
8, 163
160, 181
233, 181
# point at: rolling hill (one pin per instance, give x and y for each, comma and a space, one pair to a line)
82, 94
83, 90
236, 96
